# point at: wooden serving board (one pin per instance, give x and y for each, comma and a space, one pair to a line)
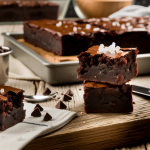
96, 131
48, 55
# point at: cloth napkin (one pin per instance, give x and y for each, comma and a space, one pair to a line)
18, 136
132, 10
18, 70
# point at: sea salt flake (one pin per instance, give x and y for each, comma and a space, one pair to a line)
2, 91
114, 23
88, 26
128, 24
111, 49
123, 26
75, 29
59, 24
130, 27
96, 29
118, 24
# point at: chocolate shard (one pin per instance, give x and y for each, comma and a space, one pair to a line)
60, 105
47, 117
36, 112
47, 91
67, 97
38, 106
69, 92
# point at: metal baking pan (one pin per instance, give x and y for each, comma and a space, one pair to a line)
56, 73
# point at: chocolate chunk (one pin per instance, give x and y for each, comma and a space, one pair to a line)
47, 91
47, 117
69, 92
36, 112
38, 106
67, 97
60, 105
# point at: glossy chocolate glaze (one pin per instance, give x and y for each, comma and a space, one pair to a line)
8, 88
27, 3
66, 27
123, 51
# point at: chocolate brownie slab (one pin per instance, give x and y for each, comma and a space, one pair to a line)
115, 68
106, 98
64, 37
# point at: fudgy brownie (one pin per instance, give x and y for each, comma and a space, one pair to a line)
106, 98
64, 37
114, 68
27, 10
11, 106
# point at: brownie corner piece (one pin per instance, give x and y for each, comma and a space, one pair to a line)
106, 98
113, 68
11, 106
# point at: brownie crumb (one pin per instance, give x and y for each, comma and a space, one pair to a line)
47, 91
81, 113
36, 112
38, 106
67, 97
133, 102
80, 89
58, 97
60, 105
69, 92
62, 93
47, 117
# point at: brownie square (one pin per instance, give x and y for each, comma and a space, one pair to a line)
115, 69
11, 106
106, 98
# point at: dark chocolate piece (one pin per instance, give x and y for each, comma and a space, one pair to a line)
47, 91
11, 106
47, 117
27, 10
36, 112
116, 68
60, 105
38, 106
69, 92
67, 97
106, 98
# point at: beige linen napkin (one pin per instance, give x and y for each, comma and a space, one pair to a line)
19, 135
18, 70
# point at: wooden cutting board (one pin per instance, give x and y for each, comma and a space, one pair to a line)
98, 131
48, 55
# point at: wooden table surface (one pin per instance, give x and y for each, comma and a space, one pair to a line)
37, 87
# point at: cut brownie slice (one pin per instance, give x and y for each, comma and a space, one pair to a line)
64, 37
11, 106
114, 68
103, 98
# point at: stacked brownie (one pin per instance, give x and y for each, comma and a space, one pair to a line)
106, 72
11, 106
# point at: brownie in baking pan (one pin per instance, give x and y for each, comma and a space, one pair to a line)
64, 37
108, 65
106, 98
11, 106
27, 10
